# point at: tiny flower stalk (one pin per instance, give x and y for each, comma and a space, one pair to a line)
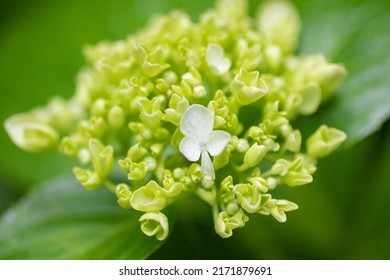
204, 108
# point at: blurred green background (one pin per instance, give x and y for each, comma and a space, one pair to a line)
344, 214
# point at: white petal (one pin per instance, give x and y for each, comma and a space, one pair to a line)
197, 122
207, 165
190, 148
217, 142
215, 59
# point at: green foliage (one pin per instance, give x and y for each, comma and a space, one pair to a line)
60, 220
356, 33
335, 220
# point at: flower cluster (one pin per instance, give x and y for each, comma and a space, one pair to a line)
200, 107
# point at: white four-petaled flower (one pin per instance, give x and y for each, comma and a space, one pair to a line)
200, 139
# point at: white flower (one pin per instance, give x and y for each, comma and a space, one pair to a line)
215, 59
200, 139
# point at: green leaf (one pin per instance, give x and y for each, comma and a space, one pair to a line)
354, 33
60, 220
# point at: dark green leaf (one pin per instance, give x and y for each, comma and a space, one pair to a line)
355, 33
61, 220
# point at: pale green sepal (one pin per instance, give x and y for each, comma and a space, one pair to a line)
294, 178
249, 197
155, 223
225, 224
311, 98
152, 63
116, 117
149, 198
280, 167
293, 141
123, 194
324, 141
279, 22
31, 134
254, 155
88, 179
260, 183
102, 157
137, 152
248, 87
150, 113
278, 208
137, 171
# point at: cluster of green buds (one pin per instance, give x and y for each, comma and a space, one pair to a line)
200, 107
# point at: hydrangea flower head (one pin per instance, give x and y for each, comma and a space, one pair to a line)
202, 107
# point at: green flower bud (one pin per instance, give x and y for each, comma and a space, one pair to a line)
260, 183
152, 63
242, 145
102, 157
30, 134
62, 114
69, 146
280, 167
116, 117
248, 87
177, 106
254, 155
155, 223
168, 180
279, 22
149, 198
257, 134
137, 171
156, 149
227, 195
137, 152
199, 92
232, 208
294, 178
278, 208
84, 156
124, 195
178, 173
174, 190
150, 113
151, 163
99, 107
225, 224
207, 181
171, 77
90, 180
162, 86
311, 98
193, 77
324, 141
195, 172
293, 141
249, 197
94, 127
271, 183
330, 76
140, 86
274, 56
